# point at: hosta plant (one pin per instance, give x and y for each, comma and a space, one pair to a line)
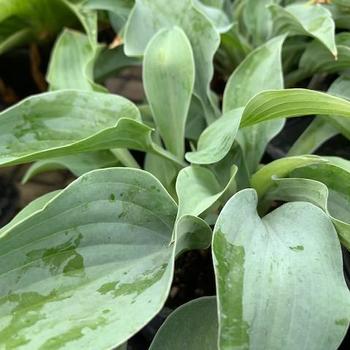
90, 265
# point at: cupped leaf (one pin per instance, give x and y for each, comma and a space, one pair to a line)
287, 103
69, 121
149, 16
90, 268
75, 48
192, 232
191, 326
306, 189
306, 19
217, 139
268, 272
205, 189
262, 180
78, 164
168, 75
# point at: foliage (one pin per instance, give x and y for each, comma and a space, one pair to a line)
88, 266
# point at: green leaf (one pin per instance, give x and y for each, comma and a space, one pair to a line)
168, 76
262, 180
217, 139
317, 59
192, 233
149, 16
287, 103
306, 19
78, 164
87, 18
257, 20
34, 206
205, 190
192, 326
68, 121
111, 61
216, 15
331, 195
261, 70
75, 48
318, 132
119, 9
92, 267
268, 272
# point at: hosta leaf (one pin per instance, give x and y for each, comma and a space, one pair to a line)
119, 10
75, 48
205, 190
269, 105
168, 75
257, 20
318, 132
215, 14
191, 326
217, 139
261, 70
262, 180
34, 206
268, 272
111, 61
87, 18
92, 267
329, 191
78, 164
317, 59
68, 121
306, 19
192, 233
153, 15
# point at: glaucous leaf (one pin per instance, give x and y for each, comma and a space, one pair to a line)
78, 164
287, 103
168, 76
261, 70
75, 48
153, 15
257, 20
90, 268
205, 189
217, 139
268, 272
191, 326
306, 19
69, 121
317, 133
262, 180
317, 59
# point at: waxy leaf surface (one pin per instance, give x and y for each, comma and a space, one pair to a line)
91, 267
279, 279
